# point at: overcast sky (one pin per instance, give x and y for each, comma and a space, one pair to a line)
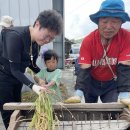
77, 22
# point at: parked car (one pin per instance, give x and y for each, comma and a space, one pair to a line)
74, 52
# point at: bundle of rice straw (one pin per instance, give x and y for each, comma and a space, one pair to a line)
43, 115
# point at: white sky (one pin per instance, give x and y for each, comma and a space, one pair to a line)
77, 22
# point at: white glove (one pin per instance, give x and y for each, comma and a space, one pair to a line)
79, 93
36, 89
76, 98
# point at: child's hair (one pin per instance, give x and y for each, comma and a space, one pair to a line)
49, 54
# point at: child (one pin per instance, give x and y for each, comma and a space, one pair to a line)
51, 75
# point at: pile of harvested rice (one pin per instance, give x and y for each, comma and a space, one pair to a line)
32, 96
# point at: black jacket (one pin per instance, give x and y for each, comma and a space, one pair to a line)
123, 78
15, 53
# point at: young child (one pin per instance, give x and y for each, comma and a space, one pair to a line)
51, 76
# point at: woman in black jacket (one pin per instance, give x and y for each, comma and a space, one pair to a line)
20, 48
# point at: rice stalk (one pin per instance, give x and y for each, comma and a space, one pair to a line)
43, 115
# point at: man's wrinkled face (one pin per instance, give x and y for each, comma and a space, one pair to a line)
109, 26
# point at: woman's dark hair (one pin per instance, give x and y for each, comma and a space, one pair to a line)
49, 54
51, 20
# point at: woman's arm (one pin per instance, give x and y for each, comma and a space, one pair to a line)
15, 70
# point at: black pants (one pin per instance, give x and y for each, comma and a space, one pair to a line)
107, 91
10, 91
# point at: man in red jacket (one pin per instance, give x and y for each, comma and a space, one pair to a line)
105, 56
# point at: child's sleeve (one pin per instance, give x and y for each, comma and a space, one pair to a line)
57, 77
